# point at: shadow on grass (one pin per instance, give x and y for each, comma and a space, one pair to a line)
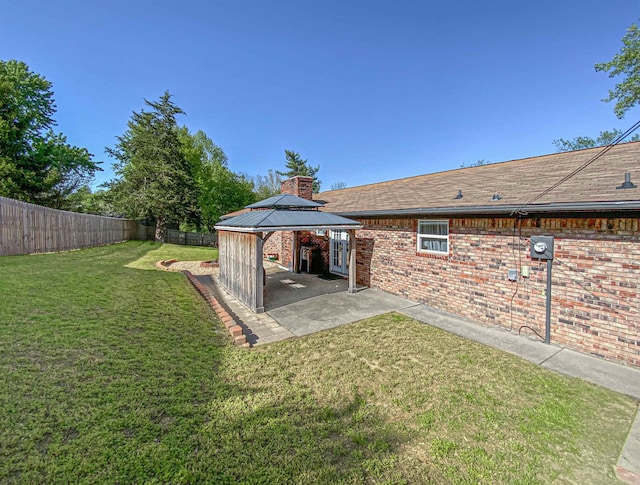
291, 439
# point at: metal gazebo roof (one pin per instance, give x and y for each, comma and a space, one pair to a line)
286, 220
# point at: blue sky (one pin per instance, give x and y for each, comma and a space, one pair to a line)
369, 90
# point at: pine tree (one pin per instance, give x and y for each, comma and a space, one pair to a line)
296, 166
155, 180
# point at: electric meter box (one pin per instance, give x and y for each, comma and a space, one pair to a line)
542, 247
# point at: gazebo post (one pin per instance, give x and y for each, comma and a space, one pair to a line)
352, 260
295, 257
259, 275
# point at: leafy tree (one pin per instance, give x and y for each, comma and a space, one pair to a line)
265, 186
36, 164
220, 190
296, 166
70, 170
627, 65
223, 191
582, 142
84, 200
338, 185
154, 178
199, 148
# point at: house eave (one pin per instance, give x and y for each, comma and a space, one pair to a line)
509, 210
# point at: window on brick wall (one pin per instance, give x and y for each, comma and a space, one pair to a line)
433, 237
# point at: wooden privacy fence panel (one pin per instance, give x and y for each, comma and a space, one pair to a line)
190, 238
241, 273
28, 228
173, 236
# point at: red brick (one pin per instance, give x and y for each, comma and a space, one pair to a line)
299, 186
591, 287
627, 476
235, 330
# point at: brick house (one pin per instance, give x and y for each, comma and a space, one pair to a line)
459, 240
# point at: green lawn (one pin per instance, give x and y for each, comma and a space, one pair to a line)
117, 375
160, 252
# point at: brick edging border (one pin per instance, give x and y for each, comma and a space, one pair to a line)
235, 330
627, 476
165, 263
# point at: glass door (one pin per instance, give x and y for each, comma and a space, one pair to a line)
339, 252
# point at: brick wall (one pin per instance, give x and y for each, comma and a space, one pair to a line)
286, 255
280, 243
322, 244
596, 273
273, 245
305, 238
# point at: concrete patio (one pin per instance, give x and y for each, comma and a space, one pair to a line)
302, 304
305, 304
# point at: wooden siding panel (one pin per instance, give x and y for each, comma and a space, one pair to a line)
238, 258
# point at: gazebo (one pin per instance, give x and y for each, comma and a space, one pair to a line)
241, 240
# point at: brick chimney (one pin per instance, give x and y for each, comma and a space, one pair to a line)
299, 186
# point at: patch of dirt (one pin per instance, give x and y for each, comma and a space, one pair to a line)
194, 267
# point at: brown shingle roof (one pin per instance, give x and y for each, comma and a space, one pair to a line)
234, 213
516, 181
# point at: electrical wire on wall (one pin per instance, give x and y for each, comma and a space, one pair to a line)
521, 212
527, 282
517, 223
584, 276
517, 239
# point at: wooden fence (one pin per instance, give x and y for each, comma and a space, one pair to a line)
173, 236
29, 229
